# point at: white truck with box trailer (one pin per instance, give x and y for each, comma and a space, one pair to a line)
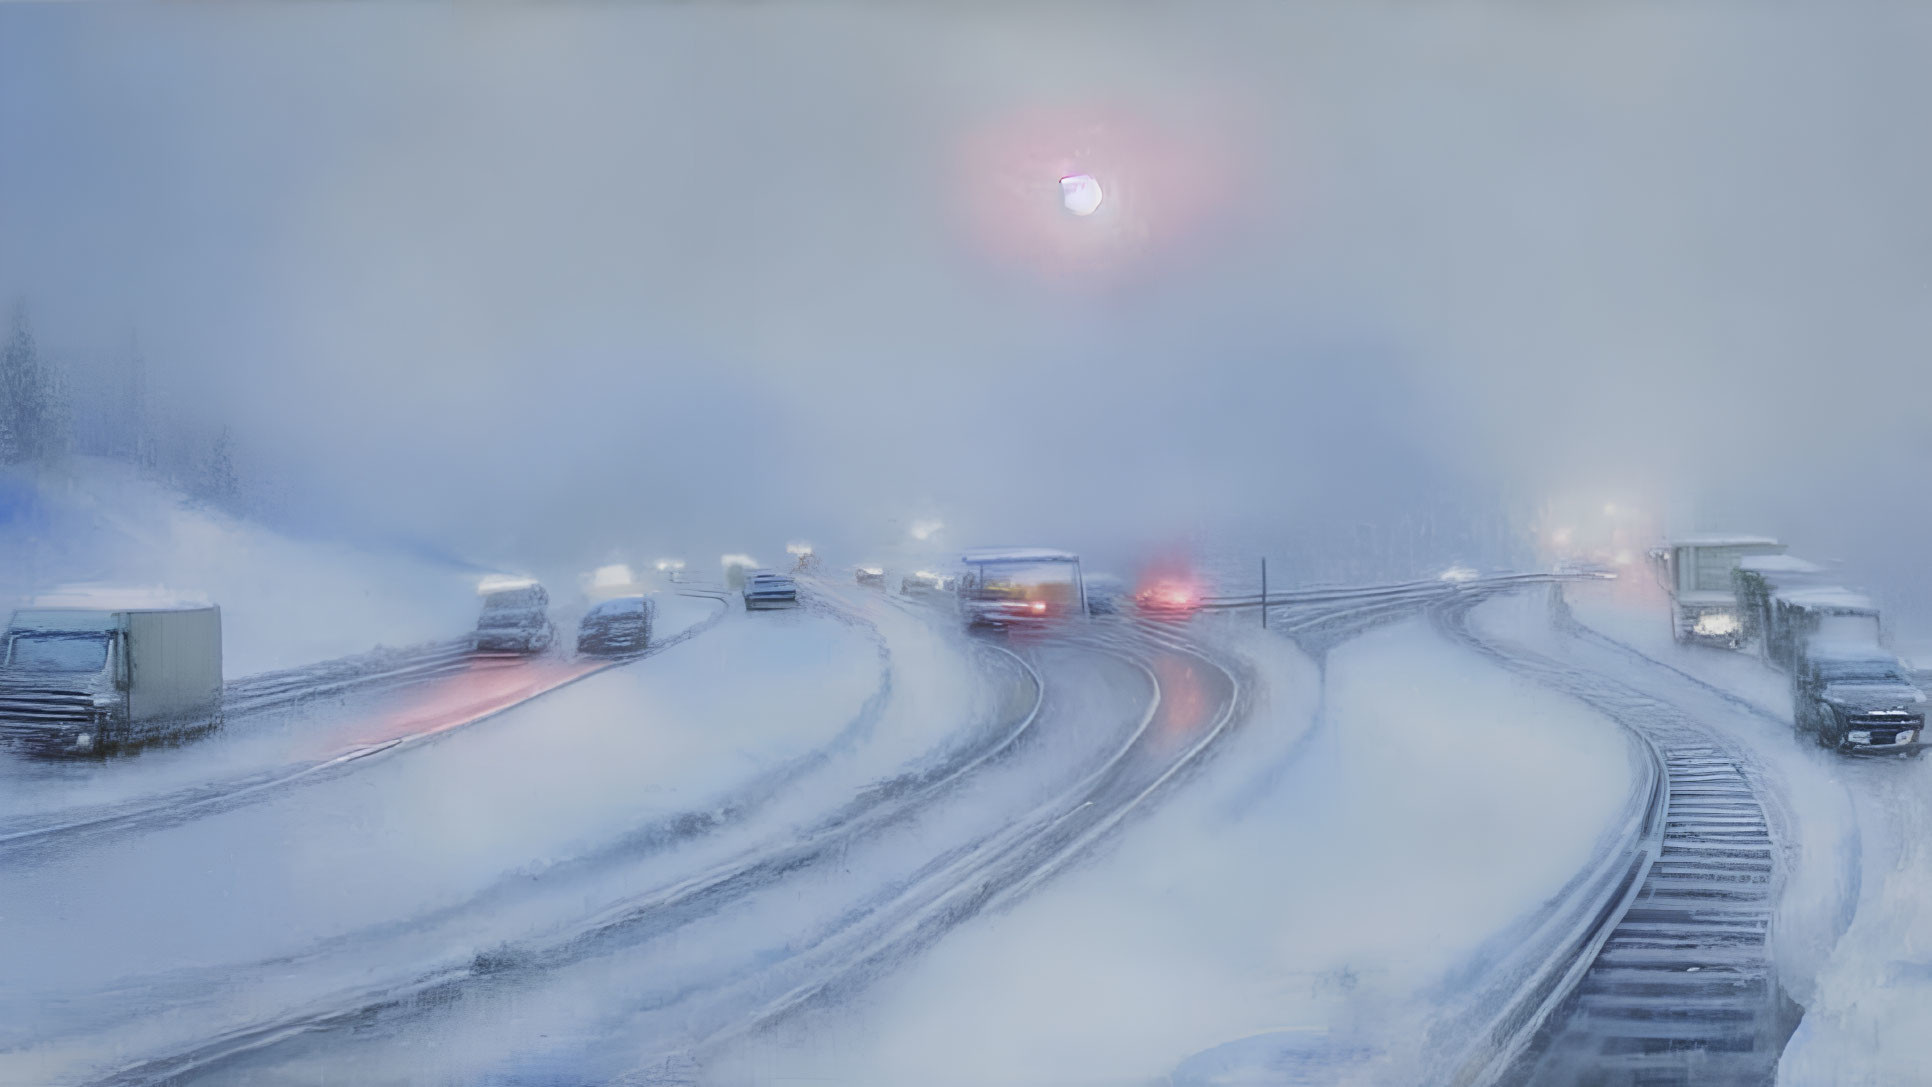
81, 680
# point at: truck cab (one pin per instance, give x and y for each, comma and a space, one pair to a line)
78, 681
1697, 573
1818, 615
1857, 697
1008, 587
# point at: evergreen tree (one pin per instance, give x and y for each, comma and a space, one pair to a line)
219, 483
138, 443
26, 411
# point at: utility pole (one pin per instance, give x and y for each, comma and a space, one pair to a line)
1264, 592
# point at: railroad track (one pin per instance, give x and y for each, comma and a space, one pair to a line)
1670, 980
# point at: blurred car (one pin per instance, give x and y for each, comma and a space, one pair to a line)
770, 589
1168, 598
515, 620
925, 583
617, 627
1105, 594
871, 575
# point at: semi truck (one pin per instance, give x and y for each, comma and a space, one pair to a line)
80, 681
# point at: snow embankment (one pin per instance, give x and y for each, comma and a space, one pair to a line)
1308, 892
285, 602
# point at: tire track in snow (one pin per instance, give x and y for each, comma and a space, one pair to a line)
650, 914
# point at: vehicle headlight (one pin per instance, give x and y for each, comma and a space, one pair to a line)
1716, 624
1859, 736
1907, 736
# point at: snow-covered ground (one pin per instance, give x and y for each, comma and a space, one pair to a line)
284, 601
817, 887
371, 872
1851, 935
1309, 892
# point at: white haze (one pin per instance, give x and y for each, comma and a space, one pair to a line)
557, 285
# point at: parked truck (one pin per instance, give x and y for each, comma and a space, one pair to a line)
78, 681
1696, 571
1754, 582
1801, 619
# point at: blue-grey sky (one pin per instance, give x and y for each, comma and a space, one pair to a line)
558, 280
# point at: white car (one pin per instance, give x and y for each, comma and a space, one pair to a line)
770, 589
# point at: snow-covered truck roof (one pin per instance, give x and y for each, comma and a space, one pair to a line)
1827, 598
1778, 564
118, 598
84, 619
1016, 554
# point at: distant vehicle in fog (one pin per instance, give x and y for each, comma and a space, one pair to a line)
1857, 697
770, 589
617, 627
1020, 586
75, 681
873, 576
926, 583
672, 569
515, 619
1696, 572
1106, 594
736, 569
1168, 598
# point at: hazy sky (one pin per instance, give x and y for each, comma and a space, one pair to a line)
575, 278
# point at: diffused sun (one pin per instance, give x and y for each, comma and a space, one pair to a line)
1080, 193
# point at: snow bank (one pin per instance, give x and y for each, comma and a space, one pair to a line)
285, 602
1325, 871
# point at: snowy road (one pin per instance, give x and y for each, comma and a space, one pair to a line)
1049, 746
687, 867
318, 725
249, 909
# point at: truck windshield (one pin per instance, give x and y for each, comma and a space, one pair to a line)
1859, 672
1026, 581
57, 651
